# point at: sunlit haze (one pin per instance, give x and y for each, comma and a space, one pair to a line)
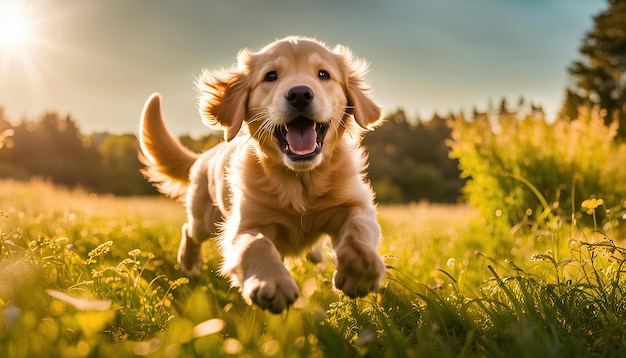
99, 60
14, 26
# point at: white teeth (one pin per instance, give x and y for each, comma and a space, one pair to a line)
314, 126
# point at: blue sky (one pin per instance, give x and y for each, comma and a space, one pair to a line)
99, 60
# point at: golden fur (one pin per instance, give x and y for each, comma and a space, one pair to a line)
290, 172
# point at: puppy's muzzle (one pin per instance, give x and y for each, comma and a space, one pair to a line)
302, 137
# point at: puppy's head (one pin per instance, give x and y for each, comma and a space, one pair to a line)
295, 95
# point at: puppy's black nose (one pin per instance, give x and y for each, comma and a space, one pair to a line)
299, 96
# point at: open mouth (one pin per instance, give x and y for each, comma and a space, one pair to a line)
302, 138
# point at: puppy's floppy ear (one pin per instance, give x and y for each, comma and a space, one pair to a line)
366, 112
223, 99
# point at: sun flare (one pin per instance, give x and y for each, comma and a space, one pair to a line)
22, 25
15, 29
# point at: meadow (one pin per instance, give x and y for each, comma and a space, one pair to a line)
83, 275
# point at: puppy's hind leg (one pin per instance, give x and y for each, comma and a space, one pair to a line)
201, 224
316, 255
189, 254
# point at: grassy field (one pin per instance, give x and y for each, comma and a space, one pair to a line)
96, 276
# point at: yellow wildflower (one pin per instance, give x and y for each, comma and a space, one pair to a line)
592, 204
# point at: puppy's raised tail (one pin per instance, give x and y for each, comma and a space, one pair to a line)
167, 162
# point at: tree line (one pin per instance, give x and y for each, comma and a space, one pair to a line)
53, 147
408, 157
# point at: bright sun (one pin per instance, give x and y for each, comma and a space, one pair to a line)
15, 26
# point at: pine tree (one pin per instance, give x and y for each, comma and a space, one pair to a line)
600, 78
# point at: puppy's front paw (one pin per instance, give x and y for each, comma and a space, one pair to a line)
359, 269
274, 292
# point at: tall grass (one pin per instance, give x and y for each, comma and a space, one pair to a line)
96, 276
526, 169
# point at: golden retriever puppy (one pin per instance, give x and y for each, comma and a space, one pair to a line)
290, 172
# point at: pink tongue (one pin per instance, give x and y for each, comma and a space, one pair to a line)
301, 137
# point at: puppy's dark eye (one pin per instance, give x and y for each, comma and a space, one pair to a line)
323, 75
271, 76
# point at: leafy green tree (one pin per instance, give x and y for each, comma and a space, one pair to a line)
409, 161
119, 167
203, 143
600, 77
4, 122
51, 148
6, 142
